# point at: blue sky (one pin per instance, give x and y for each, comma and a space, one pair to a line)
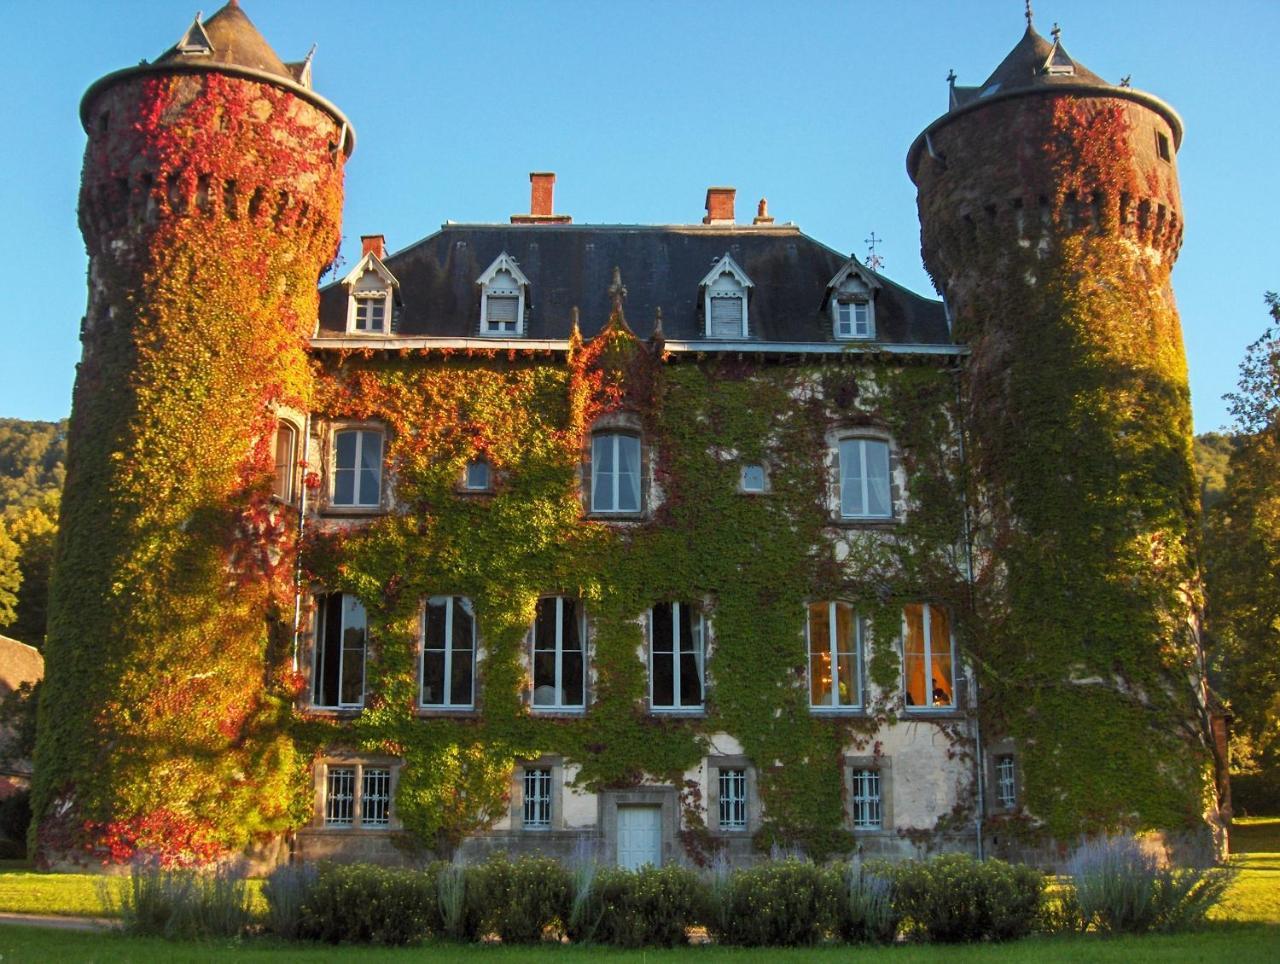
638, 107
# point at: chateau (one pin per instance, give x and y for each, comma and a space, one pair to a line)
669, 542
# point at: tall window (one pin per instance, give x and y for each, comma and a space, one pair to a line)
1006, 781
371, 313
448, 652
340, 797
677, 648
559, 657
357, 468
615, 473
733, 799
286, 460
375, 797
864, 479
866, 799
536, 814
835, 655
337, 676
853, 319
928, 663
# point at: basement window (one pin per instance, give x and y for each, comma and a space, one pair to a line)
356, 796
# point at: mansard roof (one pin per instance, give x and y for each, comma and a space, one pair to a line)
571, 266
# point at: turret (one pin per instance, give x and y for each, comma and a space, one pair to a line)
1050, 220
210, 205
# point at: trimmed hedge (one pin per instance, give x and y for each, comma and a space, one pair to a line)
783, 904
955, 898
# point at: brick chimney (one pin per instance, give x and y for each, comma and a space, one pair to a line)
377, 243
720, 205
542, 185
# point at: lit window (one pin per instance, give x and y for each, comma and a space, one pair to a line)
733, 799
357, 796
853, 319
477, 476
536, 813
866, 799
559, 657
615, 473
340, 797
370, 313
753, 478
835, 654
929, 665
1006, 781
677, 647
448, 652
337, 674
286, 460
375, 797
357, 468
864, 479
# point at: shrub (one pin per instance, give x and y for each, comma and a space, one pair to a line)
359, 903
867, 912
522, 899
1121, 887
953, 898
285, 892
15, 817
781, 904
180, 904
650, 907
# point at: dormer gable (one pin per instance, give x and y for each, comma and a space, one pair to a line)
372, 292
195, 41
852, 297
725, 292
503, 297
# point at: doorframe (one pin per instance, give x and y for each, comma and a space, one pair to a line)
662, 797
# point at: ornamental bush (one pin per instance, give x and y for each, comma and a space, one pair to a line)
649, 907
954, 897
363, 904
180, 904
522, 899
866, 911
785, 904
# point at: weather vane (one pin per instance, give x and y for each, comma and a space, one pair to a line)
874, 261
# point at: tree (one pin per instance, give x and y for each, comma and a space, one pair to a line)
33, 530
10, 578
1242, 548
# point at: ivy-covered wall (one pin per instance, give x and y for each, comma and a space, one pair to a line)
752, 560
1052, 226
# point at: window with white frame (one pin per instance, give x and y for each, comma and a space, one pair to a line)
1006, 781
536, 808
928, 657
853, 318
677, 647
370, 313
615, 473
477, 477
733, 799
726, 294
753, 478
834, 633
286, 458
357, 796
865, 799
559, 655
852, 294
370, 297
865, 491
337, 672
357, 469
503, 289
448, 653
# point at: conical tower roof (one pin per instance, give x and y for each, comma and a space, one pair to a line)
232, 40
1035, 61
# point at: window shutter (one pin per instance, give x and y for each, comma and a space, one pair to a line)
501, 313
726, 317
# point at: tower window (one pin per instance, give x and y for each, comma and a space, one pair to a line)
286, 461
1162, 146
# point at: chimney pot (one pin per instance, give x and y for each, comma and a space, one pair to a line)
720, 205
762, 213
376, 243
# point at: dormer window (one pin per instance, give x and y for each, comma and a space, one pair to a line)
371, 297
370, 312
726, 291
853, 308
503, 293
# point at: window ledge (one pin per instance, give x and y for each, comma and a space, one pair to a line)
940, 713
869, 523
332, 712
352, 511
346, 831
451, 712
688, 713
837, 710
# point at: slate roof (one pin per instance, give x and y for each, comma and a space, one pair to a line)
236, 42
661, 266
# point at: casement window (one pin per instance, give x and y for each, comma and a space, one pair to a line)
726, 294
559, 655
371, 297
865, 492
357, 796
865, 799
286, 460
337, 672
753, 478
928, 657
477, 477
370, 315
853, 318
677, 656
733, 799
503, 294
615, 473
1006, 781
834, 635
357, 469
536, 806
448, 653
852, 296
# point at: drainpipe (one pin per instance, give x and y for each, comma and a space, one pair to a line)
297, 562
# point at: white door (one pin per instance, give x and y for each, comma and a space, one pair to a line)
639, 837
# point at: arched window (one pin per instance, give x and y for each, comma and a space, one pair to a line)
286, 460
865, 492
615, 473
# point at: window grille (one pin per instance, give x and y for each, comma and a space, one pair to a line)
375, 798
537, 799
340, 798
733, 799
866, 800
1006, 785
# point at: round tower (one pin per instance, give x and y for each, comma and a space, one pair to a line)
210, 205
1050, 221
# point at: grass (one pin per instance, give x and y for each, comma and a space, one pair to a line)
1255, 896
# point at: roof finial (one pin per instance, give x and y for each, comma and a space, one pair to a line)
1055, 32
617, 290
1029, 14
1126, 80
874, 261
951, 76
